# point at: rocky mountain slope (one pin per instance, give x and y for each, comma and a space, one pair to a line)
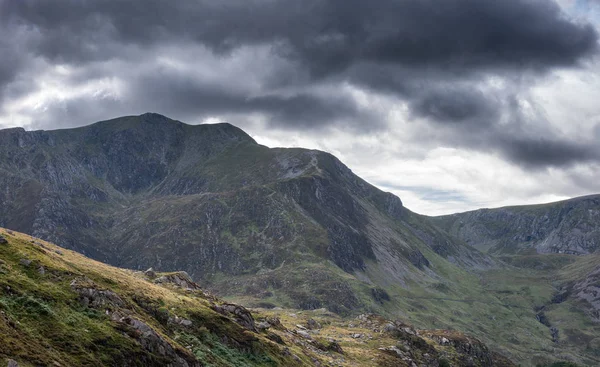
566, 227
59, 308
146, 191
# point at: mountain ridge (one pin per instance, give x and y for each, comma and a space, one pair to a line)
274, 227
567, 226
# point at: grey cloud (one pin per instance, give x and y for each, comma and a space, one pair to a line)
457, 105
326, 36
541, 152
183, 94
431, 54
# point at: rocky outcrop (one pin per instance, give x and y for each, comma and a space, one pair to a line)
91, 296
180, 279
240, 314
154, 343
587, 290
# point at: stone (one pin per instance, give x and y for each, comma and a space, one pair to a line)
311, 324
12, 363
242, 316
263, 325
304, 334
180, 279
276, 338
3, 241
334, 346
25, 262
41, 270
150, 273
90, 296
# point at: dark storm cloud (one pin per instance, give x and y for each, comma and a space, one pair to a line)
326, 36
432, 55
457, 105
536, 152
184, 95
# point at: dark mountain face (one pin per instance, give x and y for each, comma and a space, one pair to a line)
567, 227
147, 191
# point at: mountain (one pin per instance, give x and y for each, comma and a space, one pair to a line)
146, 191
292, 228
566, 227
59, 308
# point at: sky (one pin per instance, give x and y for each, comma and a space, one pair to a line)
452, 105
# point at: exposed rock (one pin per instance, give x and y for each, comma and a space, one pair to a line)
303, 334
275, 322
566, 227
263, 325
311, 324
334, 346
25, 262
154, 343
380, 295
180, 279
180, 321
90, 296
588, 290
3, 240
150, 273
554, 334
12, 363
242, 316
41, 270
276, 338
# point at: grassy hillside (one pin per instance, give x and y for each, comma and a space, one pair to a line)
59, 308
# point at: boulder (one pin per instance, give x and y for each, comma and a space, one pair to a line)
12, 363
303, 334
150, 273
263, 325
3, 241
25, 262
180, 279
311, 324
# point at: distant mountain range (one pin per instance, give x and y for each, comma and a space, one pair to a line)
566, 227
296, 228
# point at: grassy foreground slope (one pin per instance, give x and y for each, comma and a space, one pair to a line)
59, 308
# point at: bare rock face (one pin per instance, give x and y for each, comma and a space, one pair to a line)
567, 227
588, 290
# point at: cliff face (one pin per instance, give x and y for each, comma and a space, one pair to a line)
567, 227
146, 191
